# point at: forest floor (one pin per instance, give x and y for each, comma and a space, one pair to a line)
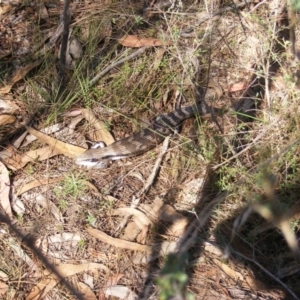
213, 213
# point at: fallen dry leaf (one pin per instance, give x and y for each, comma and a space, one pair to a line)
48, 204
65, 237
18, 207
36, 183
117, 242
47, 130
101, 133
42, 288
72, 113
214, 249
5, 189
4, 53
18, 75
4, 8
240, 86
113, 280
153, 210
251, 282
61, 147
4, 276
86, 292
8, 106
120, 291
158, 250
131, 231
3, 288
14, 245
17, 143
139, 217
58, 130
7, 119
179, 222
136, 42
92, 188
16, 161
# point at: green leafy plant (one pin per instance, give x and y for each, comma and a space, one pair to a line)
91, 219
73, 186
173, 278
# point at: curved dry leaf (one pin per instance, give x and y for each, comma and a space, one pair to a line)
85, 291
7, 119
153, 210
14, 245
9, 152
179, 222
136, 42
121, 292
17, 143
236, 87
47, 204
117, 242
4, 8
254, 283
8, 106
160, 249
101, 133
89, 279
113, 280
61, 147
18, 75
213, 249
17, 161
18, 207
3, 288
57, 130
64, 237
91, 186
4, 53
47, 130
4, 276
5, 189
140, 218
131, 232
36, 183
42, 288
72, 113
42, 11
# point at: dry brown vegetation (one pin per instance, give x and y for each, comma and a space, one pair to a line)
220, 218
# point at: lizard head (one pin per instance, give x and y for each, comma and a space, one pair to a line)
93, 158
90, 160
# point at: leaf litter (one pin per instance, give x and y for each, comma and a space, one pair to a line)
142, 215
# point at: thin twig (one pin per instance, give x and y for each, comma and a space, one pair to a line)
156, 167
136, 199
